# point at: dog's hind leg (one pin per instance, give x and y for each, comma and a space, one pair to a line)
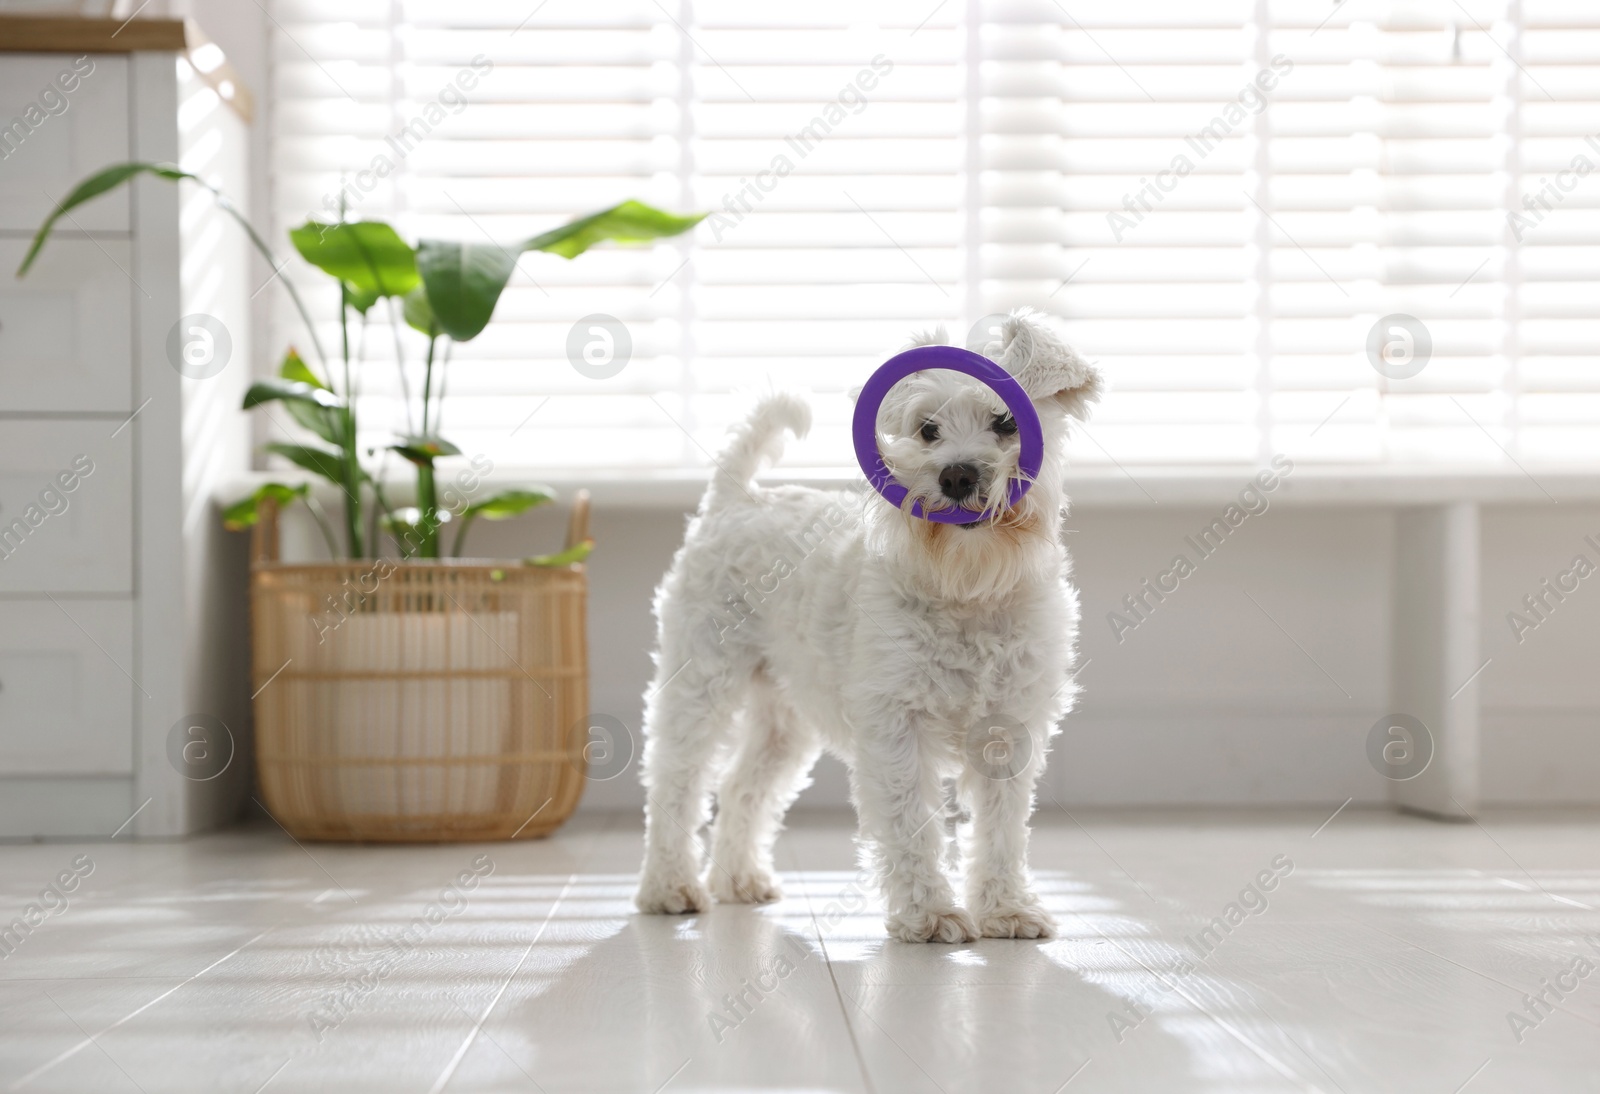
688, 719
955, 815
772, 766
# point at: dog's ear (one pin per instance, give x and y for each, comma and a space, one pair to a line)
1048, 369
938, 336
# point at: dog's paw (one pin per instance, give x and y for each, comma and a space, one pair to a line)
950, 925
1025, 922
745, 887
672, 897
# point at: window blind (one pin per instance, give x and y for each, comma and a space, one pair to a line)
1222, 203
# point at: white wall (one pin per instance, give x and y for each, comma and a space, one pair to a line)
243, 30
1208, 701
215, 264
1541, 697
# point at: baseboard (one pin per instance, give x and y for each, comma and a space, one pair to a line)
65, 807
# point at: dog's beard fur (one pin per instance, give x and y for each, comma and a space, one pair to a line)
1012, 545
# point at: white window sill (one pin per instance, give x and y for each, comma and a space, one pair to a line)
1088, 487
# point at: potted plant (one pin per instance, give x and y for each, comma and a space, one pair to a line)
417, 696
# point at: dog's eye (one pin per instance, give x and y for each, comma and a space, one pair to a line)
930, 431
1005, 425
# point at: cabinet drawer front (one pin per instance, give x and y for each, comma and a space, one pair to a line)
66, 506
53, 137
65, 704
66, 330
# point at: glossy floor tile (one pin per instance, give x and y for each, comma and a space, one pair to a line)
1208, 952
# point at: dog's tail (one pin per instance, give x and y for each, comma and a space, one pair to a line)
759, 437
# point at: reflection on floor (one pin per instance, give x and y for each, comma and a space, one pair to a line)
1208, 952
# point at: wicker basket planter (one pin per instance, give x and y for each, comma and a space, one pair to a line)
418, 701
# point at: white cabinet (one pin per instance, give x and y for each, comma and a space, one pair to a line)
117, 625
66, 507
66, 331
66, 687
54, 136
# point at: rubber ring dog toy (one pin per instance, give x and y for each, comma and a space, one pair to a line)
864, 426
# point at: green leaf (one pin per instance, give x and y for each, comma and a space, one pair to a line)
563, 558
424, 450
434, 446
464, 282
106, 178
361, 299
313, 406
507, 504
330, 465
269, 391
91, 188
294, 367
418, 313
247, 511
367, 255
327, 424
501, 506
630, 222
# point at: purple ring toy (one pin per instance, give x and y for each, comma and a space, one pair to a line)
864, 426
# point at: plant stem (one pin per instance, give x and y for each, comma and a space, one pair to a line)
388, 514
427, 382
427, 488
379, 505
428, 504
352, 462
444, 374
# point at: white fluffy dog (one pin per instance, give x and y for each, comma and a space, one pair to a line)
794, 620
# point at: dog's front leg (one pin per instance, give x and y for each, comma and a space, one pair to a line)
1000, 791
899, 796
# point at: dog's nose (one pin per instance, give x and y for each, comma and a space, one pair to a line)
958, 481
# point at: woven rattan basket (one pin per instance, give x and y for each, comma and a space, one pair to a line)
418, 701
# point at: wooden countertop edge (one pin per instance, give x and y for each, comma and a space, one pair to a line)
39, 34
57, 34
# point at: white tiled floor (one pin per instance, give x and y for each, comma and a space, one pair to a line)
1389, 959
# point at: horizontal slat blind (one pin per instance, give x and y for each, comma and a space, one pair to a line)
1553, 255
1219, 201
